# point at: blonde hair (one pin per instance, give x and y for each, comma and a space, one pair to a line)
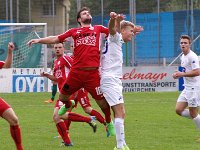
124, 24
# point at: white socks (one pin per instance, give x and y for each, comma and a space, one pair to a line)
186, 113
197, 121
119, 128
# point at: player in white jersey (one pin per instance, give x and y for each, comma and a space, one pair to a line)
190, 96
111, 71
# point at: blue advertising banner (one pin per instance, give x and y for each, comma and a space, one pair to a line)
28, 83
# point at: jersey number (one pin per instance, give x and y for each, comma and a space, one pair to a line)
98, 91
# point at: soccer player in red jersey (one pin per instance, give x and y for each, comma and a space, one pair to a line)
84, 72
6, 111
62, 65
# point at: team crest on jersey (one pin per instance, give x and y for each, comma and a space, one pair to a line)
58, 74
78, 31
58, 62
91, 28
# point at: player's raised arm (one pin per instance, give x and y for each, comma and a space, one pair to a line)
46, 40
8, 60
119, 18
138, 29
111, 25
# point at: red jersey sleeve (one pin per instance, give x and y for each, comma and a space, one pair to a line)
1, 64
65, 35
69, 61
104, 30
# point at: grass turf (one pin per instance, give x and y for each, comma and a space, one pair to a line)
150, 124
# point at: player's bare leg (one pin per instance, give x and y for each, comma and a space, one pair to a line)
15, 131
106, 110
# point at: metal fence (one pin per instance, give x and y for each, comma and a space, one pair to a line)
163, 21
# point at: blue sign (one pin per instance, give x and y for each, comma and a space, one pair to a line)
28, 83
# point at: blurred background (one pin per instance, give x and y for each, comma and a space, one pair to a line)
164, 21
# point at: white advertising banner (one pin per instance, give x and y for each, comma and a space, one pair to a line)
22, 80
135, 79
6, 80
149, 79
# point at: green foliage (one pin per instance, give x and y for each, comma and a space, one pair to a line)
150, 124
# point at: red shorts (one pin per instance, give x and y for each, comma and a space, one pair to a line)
3, 106
80, 96
87, 79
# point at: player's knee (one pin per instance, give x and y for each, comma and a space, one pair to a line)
14, 121
87, 110
119, 113
193, 114
178, 111
56, 118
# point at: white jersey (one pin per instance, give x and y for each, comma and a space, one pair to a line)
190, 62
112, 56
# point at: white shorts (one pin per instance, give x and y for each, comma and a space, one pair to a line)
192, 97
111, 88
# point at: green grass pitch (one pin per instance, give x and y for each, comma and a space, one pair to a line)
150, 124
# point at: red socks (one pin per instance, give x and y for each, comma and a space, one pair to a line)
67, 123
78, 118
16, 135
98, 116
62, 130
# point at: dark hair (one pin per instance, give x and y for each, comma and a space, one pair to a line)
59, 43
79, 13
186, 37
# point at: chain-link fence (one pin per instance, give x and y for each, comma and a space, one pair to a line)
163, 21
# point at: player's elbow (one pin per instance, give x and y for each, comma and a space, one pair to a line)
6, 65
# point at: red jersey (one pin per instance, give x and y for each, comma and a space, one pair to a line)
86, 45
61, 69
1, 64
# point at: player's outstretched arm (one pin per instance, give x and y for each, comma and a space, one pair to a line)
46, 40
49, 76
8, 60
138, 29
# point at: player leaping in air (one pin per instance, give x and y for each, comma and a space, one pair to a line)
111, 73
84, 72
62, 65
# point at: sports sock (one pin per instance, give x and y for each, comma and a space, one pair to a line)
119, 127
107, 113
98, 116
185, 113
78, 118
67, 123
197, 121
62, 130
16, 135
54, 91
